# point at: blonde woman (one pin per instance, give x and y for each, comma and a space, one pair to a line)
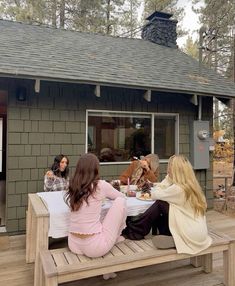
141, 170
178, 213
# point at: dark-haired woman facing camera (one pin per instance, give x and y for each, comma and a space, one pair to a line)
57, 179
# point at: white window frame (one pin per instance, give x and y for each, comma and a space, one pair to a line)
151, 114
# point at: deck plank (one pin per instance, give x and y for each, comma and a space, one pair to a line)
15, 272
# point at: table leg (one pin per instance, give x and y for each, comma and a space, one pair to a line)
42, 234
31, 223
36, 230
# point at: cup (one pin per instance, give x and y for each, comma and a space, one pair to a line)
124, 189
131, 193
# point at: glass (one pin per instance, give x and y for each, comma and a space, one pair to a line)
117, 137
120, 137
164, 136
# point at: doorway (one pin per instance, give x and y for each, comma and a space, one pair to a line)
3, 129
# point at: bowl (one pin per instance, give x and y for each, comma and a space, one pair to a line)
132, 187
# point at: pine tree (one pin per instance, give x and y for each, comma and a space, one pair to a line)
111, 10
191, 47
31, 11
129, 25
218, 18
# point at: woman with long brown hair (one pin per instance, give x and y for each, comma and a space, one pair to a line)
178, 213
87, 233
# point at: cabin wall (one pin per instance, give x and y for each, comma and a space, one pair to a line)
54, 121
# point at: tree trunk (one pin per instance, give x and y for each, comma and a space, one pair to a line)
53, 12
108, 24
233, 107
62, 13
131, 18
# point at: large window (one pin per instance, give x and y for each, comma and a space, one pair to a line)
119, 136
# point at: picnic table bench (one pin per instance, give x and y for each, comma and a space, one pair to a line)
60, 265
41, 219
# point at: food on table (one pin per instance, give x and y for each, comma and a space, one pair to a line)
116, 185
145, 186
145, 190
131, 193
145, 196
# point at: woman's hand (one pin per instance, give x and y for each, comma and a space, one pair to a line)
144, 165
50, 174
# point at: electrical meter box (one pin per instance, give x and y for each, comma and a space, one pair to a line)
199, 145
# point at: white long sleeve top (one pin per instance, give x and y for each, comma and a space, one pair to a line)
188, 230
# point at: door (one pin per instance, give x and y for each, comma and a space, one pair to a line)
3, 128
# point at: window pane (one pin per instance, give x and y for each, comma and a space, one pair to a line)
117, 137
164, 136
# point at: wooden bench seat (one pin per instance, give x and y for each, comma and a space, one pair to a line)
57, 266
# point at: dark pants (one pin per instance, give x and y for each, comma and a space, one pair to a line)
156, 217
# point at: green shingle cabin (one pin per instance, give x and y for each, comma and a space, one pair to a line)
71, 92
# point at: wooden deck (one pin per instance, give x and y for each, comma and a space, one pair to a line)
15, 272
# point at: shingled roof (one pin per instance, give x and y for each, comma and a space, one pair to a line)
31, 51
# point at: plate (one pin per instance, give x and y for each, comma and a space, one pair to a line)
140, 197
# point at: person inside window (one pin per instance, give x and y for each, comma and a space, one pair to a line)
89, 235
178, 213
57, 179
142, 170
107, 155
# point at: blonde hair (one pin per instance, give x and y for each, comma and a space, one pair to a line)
182, 174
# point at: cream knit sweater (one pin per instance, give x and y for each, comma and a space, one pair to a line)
188, 230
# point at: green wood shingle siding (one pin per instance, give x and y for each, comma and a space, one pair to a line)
53, 122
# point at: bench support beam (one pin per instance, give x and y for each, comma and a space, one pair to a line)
229, 273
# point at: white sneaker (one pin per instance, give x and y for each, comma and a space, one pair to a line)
109, 275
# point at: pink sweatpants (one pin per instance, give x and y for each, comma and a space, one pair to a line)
99, 244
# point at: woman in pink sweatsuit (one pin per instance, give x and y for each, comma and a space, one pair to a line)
87, 234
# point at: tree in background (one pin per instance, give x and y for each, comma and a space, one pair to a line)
218, 49
49, 12
129, 22
169, 6
225, 116
85, 16
98, 16
112, 17
191, 47
218, 18
23, 10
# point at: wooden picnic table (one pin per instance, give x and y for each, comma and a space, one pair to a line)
39, 218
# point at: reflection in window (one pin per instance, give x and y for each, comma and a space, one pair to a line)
118, 137
164, 136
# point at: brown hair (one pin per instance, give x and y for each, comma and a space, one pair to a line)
84, 182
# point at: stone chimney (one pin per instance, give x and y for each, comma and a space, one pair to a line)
160, 29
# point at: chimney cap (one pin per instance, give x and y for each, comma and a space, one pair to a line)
158, 14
